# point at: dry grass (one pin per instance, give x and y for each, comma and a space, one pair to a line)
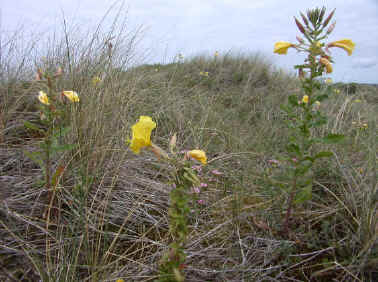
109, 218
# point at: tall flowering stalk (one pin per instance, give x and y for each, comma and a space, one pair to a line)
304, 111
54, 124
183, 178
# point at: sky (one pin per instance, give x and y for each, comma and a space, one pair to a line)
192, 27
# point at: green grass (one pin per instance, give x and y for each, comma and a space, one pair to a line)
110, 219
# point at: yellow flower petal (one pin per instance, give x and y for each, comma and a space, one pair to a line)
96, 80
72, 96
346, 44
43, 98
305, 99
199, 155
281, 47
141, 132
327, 64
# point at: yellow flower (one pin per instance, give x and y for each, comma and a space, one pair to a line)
120, 280
346, 44
43, 98
305, 99
281, 47
96, 80
328, 81
327, 64
141, 134
317, 103
71, 95
199, 155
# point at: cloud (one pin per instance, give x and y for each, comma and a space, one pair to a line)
365, 63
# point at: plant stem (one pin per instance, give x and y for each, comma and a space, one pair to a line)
290, 205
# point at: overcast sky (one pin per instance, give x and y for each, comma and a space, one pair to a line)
193, 27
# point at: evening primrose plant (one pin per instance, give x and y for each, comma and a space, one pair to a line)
53, 126
303, 111
183, 179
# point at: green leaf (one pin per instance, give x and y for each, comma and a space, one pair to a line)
320, 121
310, 159
321, 97
35, 157
32, 126
304, 195
301, 170
61, 132
324, 154
293, 148
293, 100
60, 148
285, 109
332, 138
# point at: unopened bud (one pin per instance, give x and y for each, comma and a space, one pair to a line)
299, 25
300, 39
331, 27
304, 19
58, 72
326, 21
172, 143
328, 66
39, 75
301, 73
159, 152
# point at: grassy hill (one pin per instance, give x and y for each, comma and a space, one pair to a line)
108, 210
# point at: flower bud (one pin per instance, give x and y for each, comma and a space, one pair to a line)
39, 75
301, 73
322, 12
299, 25
304, 19
172, 143
58, 72
331, 27
324, 61
300, 39
326, 21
